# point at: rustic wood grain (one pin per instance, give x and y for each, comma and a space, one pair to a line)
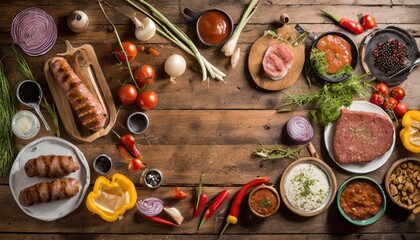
206, 127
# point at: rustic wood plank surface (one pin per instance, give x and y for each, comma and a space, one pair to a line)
205, 127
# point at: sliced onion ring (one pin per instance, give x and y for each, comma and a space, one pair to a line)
299, 129
34, 31
150, 206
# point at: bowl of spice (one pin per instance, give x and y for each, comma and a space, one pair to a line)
361, 200
264, 201
334, 56
402, 183
308, 186
25, 124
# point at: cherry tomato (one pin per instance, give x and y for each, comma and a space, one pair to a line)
178, 194
144, 75
127, 94
390, 103
135, 165
400, 109
377, 99
398, 93
368, 22
129, 48
383, 89
147, 100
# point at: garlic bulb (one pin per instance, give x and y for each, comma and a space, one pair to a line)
145, 29
78, 21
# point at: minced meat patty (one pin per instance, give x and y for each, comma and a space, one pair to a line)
361, 136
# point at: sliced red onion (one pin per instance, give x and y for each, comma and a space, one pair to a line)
299, 129
150, 206
34, 31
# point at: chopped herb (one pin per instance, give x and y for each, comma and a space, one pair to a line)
265, 203
277, 153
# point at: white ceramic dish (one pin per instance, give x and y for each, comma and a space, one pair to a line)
361, 167
18, 179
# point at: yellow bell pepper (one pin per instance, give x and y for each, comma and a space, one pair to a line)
410, 134
110, 199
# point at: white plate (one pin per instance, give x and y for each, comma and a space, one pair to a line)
359, 167
19, 180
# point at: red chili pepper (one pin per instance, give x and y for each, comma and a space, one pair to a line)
157, 219
215, 204
201, 203
353, 26
123, 152
178, 194
234, 208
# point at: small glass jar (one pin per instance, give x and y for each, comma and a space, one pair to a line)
102, 164
137, 122
25, 124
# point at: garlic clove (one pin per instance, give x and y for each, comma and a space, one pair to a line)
78, 21
145, 29
234, 59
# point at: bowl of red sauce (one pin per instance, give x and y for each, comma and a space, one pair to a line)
340, 52
213, 27
361, 200
264, 201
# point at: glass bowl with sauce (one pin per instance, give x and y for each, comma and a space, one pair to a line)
25, 124
213, 27
361, 200
264, 201
340, 51
308, 186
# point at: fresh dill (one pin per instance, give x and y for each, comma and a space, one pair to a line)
274, 153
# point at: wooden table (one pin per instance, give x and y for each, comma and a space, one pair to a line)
207, 127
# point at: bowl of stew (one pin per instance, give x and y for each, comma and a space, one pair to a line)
340, 53
264, 201
361, 200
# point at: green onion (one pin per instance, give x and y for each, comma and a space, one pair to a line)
229, 47
176, 36
8, 108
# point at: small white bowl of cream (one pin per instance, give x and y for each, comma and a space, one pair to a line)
25, 124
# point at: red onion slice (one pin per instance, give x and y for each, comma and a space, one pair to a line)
34, 31
299, 129
150, 206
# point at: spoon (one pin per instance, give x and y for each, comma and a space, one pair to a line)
29, 93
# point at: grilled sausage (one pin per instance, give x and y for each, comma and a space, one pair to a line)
50, 166
87, 107
43, 192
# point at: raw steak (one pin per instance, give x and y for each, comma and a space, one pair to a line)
277, 61
361, 136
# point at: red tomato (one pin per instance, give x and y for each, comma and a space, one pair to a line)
383, 89
144, 75
147, 100
127, 94
400, 109
129, 48
377, 99
390, 103
135, 164
368, 22
398, 93
178, 194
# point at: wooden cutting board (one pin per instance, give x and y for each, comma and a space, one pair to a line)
84, 62
257, 53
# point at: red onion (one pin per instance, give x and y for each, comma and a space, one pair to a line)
150, 206
299, 129
34, 31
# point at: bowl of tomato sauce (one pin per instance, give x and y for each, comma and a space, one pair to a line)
332, 55
361, 200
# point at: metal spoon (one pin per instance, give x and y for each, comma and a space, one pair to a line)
29, 93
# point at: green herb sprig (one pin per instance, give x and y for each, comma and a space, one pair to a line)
293, 41
8, 108
321, 65
274, 153
330, 99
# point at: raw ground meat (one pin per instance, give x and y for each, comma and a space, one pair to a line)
277, 61
361, 136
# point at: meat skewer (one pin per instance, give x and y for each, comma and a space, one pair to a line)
89, 110
50, 166
43, 192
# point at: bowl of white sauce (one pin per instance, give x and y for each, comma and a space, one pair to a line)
308, 186
25, 124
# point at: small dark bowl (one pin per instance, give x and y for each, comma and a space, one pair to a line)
354, 55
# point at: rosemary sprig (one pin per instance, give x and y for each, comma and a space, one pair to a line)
274, 153
293, 41
8, 108
25, 70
